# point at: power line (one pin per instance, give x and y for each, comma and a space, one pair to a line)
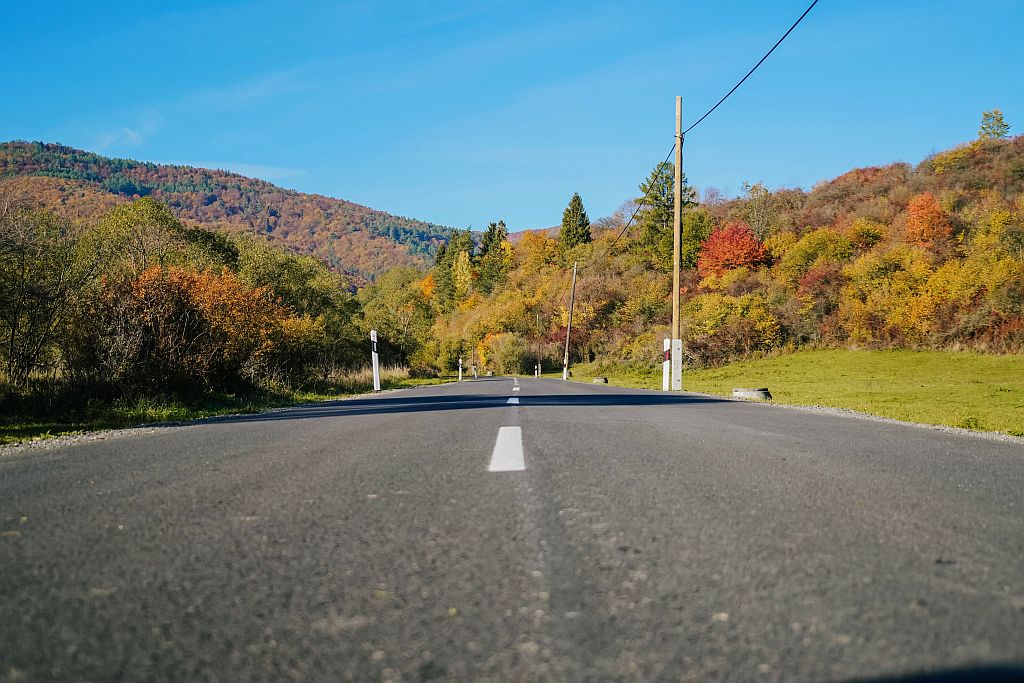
706, 114
661, 166
639, 205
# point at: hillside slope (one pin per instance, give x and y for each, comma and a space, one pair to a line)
893, 257
351, 238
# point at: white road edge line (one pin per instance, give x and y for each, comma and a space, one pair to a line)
514, 401
508, 451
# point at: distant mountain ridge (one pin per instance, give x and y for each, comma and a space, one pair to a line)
351, 238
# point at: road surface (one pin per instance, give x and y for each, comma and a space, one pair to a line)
516, 530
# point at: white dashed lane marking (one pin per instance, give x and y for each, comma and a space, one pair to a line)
514, 401
508, 451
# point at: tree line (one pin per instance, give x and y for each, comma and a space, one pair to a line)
882, 257
135, 302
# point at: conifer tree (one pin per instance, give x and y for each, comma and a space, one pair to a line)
575, 224
492, 263
446, 288
658, 212
496, 234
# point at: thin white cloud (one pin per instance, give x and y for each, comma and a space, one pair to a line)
274, 174
136, 126
238, 95
129, 136
119, 138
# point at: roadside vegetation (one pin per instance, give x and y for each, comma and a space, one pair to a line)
45, 415
136, 307
895, 257
137, 317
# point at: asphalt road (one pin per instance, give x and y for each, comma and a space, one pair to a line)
629, 535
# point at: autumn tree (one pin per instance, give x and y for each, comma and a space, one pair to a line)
537, 250
993, 127
657, 213
308, 288
927, 223
575, 224
176, 329
462, 275
394, 306
731, 246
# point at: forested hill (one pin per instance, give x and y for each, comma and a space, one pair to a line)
929, 256
351, 238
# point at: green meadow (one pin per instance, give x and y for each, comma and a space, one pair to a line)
969, 390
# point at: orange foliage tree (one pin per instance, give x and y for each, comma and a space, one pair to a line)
187, 326
731, 246
927, 223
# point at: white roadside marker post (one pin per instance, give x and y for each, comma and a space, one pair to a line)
375, 359
677, 365
460, 368
666, 364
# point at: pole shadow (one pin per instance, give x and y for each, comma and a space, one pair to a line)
994, 673
419, 404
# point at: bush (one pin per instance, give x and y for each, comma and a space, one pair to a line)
815, 249
179, 328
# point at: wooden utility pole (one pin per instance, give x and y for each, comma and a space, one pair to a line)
568, 329
677, 229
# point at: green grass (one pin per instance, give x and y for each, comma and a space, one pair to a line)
969, 390
42, 424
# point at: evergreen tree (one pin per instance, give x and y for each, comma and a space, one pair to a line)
446, 289
496, 234
461, 240
658, 212
492, 263
695, 230
575, 224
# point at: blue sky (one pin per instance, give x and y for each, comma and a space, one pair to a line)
465, 112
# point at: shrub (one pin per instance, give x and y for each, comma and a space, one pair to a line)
816, 248
178, 328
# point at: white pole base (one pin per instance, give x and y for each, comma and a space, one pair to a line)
666, 365
677, 365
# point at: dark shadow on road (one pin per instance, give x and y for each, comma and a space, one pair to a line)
417, 404
998, 673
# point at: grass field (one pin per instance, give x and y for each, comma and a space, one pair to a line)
37, 423
974, 391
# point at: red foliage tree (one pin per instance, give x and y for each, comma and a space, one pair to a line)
731, 246
927, 223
